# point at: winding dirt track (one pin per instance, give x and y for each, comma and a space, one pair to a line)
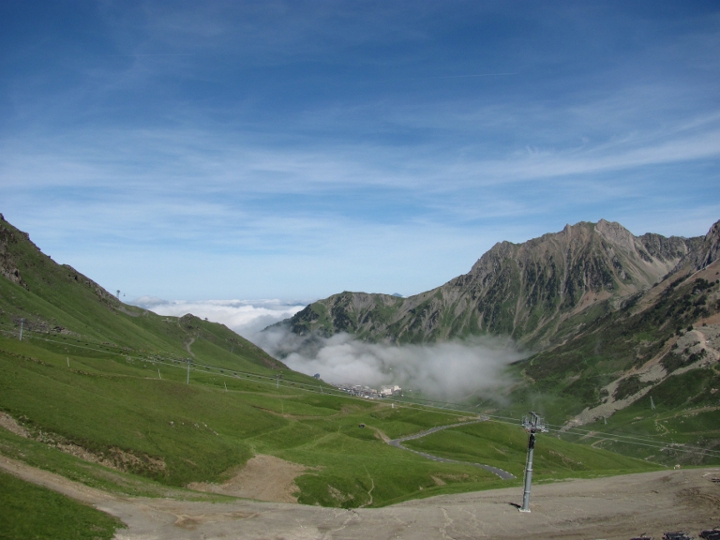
610, 508
397, 443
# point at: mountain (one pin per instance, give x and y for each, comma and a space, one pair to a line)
625, 330
538, 292
128, 401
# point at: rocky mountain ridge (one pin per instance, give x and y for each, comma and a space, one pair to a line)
529, 291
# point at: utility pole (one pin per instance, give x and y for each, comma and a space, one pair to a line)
22, 321
188, 372
532, 424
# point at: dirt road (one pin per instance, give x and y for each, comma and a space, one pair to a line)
397, 443
610, 508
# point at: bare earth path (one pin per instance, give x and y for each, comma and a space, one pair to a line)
610, 508
397, 443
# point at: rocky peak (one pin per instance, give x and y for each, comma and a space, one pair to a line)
616, 234
704, 251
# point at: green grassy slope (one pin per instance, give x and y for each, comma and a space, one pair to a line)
680, 426
494, 444
28, 511
58, 303
117, 410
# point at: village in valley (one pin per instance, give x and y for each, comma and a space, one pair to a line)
370, 393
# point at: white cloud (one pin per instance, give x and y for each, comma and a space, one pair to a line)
245, 317
451, 370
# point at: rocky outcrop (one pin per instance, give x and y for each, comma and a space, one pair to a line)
8, 266
708, 251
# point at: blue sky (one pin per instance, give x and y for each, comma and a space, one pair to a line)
291, 150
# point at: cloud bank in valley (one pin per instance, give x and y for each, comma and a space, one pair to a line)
443, 371
245, 317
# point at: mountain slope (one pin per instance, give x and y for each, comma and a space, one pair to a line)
670, 330
527, 291
53, 299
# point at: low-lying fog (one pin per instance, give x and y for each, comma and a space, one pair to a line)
445, 371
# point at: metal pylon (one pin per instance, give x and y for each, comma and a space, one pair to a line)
532, 424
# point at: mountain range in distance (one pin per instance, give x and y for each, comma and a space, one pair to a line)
614, 324
528, 291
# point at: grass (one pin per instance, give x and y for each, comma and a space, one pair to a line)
194, 432
30, 512
498, 445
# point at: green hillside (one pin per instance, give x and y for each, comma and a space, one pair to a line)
119, 412
121, 399
649, 369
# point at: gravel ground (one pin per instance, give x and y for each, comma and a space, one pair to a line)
610, 508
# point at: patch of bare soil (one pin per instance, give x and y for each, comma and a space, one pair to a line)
265, 478
115, 458
9, 423
380, 434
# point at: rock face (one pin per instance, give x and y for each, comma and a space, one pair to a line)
708, 250
8, 266
533, 291
16, 249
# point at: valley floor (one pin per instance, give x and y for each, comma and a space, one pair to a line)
611, 508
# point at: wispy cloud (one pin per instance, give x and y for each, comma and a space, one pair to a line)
163, 162
251, 139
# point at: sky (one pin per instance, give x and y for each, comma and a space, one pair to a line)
285, 151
